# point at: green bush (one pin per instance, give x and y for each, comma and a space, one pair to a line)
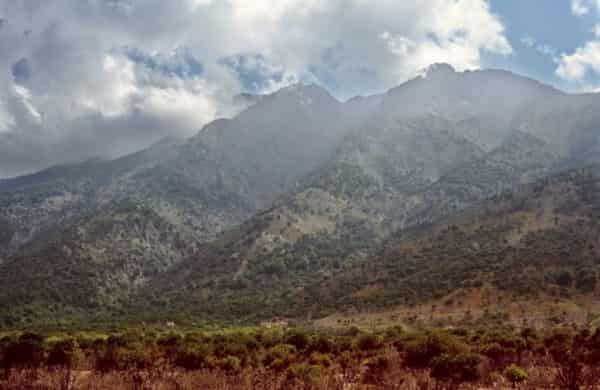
114, 358
193, 357
346, 360
497, 353
87, 341
456, 368
558, 337
515, 374
305, 373
394, 333
27, 351
172, 340
421, 352
321, 344
375, 367
230, 363
369, 342
270, 338
298, 339
62, 353
279, 357
320, 359
229, 348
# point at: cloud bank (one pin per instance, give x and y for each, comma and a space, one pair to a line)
86, 78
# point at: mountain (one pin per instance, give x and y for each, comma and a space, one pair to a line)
212, 181
94, 263
295, 192
540, 243
482, 106
537, 244
43, 202
189, 190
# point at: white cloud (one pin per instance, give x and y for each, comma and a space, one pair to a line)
23, 95
580, 7
84, 86
528, 41
584, 61
7, 121
542, 48
549, 51
576, 66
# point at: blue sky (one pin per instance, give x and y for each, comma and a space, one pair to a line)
550, 23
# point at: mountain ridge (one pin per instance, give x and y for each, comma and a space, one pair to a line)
294, 191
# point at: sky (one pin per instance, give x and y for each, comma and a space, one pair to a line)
81, 79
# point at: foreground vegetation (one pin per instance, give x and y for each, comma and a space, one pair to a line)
282, 358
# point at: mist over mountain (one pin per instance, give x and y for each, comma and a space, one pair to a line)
296, 190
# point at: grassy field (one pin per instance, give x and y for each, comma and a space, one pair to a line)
278, 357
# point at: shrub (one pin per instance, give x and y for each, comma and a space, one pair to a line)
62, 353
173, 340
369, 342
321, 344
586, 280
456, 368
89, 340
270, 338
344, 345
114, 358
346, 360
320, 359
131, 336
375, 367
134, 358
564, 279
352, 331
515, 374
298, 339
394, 333
229, 348
280, 357
230, 363
304, 372
192, 357
421, 352
245, 340
570, 367
593, 357
26, 352
529, 333
492, 350
498, 354
558, 337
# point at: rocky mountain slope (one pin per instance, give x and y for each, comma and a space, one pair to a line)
296, 191
92, 265
540, 242
205, 184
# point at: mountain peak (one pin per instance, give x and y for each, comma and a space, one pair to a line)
302, 89
437, 70
307, 95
